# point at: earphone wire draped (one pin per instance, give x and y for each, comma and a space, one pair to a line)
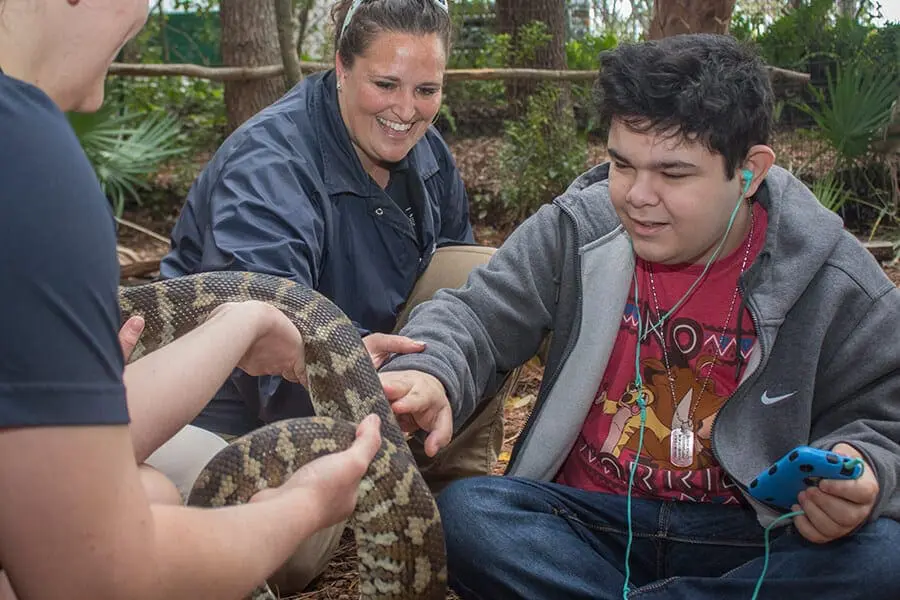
747, 176
356, 4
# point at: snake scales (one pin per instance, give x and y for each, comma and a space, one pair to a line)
396, 523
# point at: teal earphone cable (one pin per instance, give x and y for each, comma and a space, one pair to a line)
762, 575
747, 176
642, 404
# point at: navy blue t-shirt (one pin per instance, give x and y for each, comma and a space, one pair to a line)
60, 359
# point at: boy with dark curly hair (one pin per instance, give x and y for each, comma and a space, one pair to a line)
707, 315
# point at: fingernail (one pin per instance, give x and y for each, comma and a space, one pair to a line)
136, 323
419, 342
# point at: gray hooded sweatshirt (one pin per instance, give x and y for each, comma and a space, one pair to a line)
824, 312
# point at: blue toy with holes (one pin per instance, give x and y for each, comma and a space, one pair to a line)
799, 469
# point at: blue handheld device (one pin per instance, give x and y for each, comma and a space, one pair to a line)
800, 468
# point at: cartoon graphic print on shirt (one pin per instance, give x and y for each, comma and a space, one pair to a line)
704, 358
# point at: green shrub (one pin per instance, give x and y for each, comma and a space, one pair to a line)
584, 54
541, 154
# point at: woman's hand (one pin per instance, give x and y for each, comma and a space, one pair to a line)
331, 482
130, 334
277, 348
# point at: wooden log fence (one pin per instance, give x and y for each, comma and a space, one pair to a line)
783, 77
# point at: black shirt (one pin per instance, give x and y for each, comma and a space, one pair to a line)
60, 359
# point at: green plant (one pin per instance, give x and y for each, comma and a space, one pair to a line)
197, 104
852, 110
540, 154
799, 32
584, 54
445, 113
483, 50
830, 193
125, 149
746, 23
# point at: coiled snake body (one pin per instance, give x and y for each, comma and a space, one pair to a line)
396, 523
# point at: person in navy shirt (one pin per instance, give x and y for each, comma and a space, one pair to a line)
345, 185
83, 516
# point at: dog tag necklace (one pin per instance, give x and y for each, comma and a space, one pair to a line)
681, 438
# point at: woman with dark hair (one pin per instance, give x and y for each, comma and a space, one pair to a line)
82, 516
344, 185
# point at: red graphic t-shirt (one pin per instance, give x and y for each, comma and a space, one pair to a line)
703, 371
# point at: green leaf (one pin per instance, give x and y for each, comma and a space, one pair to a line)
126, 149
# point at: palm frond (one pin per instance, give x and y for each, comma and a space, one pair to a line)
853, 109
126, 149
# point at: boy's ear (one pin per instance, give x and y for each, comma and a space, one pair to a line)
759, 160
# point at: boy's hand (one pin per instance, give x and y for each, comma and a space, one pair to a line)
837, 507
420, 402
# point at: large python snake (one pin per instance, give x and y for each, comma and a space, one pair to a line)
396, 523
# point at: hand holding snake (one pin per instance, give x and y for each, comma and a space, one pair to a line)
396, 522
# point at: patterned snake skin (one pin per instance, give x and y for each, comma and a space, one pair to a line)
398, 531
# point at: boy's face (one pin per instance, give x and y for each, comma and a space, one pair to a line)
673, 196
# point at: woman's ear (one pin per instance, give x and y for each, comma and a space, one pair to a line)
339, 71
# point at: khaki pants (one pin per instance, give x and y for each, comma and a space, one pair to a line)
472, 451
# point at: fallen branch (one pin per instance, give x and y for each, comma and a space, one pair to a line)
143, 230
253, 73
128, 253
139, 269
881, 250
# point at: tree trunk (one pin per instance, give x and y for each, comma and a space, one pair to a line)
673, 17
249, 39
284, 15
848, 8
302, 8
166, 57
512, 15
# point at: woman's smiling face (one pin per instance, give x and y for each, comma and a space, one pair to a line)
390, 96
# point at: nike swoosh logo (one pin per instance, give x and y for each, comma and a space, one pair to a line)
767, 400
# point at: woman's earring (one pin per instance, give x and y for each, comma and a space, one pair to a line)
338, 86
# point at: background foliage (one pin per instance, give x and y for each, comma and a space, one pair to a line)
832, 133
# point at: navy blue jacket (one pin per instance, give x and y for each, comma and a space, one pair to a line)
286, 194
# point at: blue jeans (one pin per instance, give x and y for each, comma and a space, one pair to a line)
515, 538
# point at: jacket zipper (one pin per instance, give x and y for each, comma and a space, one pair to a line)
529, 420
740, 389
